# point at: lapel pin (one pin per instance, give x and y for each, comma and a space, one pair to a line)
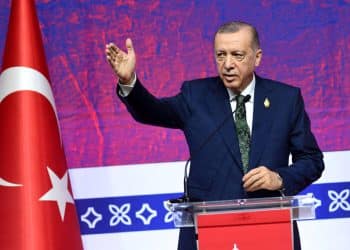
267, 103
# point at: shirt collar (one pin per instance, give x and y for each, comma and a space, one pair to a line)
249, 90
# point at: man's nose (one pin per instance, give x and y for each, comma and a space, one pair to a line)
229, 62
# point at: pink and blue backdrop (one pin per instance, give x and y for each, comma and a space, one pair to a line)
305, 43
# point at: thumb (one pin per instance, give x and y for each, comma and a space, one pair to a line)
129, 46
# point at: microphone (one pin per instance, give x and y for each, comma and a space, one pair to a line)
185, 197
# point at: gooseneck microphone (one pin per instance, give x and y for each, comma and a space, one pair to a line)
185, 197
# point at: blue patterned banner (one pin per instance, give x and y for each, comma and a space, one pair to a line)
124, 214
148, 212
333, 199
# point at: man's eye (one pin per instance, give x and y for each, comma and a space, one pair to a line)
239, 56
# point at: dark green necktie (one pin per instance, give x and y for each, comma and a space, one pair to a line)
243, 132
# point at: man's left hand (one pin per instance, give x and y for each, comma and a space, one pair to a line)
261, 178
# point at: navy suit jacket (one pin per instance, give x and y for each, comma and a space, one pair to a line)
280, 129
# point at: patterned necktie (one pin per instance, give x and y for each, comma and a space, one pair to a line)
243, 132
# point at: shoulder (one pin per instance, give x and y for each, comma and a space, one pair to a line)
202, 82
202, 85
277, 87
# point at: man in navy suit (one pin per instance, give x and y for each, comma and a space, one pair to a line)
225, 166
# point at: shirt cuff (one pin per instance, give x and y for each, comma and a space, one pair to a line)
125, 90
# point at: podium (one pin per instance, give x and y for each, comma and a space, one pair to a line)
244, 224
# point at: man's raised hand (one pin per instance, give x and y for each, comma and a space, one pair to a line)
123, 64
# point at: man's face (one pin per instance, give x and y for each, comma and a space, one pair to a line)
236, 58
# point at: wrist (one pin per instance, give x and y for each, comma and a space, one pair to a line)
127, 81
281, 184
280, 181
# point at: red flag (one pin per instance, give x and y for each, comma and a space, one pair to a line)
37, 210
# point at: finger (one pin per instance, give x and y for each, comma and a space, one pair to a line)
113, 59
257, 179
113, 56
129, 46
252, 179
113, 50
258, 184
251, 173
109, 54
111, 46
248, 175
110, 60
257, 170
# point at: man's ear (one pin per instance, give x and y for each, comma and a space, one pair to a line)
258, 57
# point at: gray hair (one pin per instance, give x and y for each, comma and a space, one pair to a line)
235, 26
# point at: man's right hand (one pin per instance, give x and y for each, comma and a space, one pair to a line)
123, 64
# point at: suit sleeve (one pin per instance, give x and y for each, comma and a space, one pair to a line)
307, 159
170, 112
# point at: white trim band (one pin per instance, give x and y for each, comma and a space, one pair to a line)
23, 78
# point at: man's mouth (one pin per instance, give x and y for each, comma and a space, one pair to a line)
230, 77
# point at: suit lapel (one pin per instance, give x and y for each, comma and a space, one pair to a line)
221, 112
262, 120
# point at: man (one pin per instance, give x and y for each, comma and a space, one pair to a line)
247, 153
